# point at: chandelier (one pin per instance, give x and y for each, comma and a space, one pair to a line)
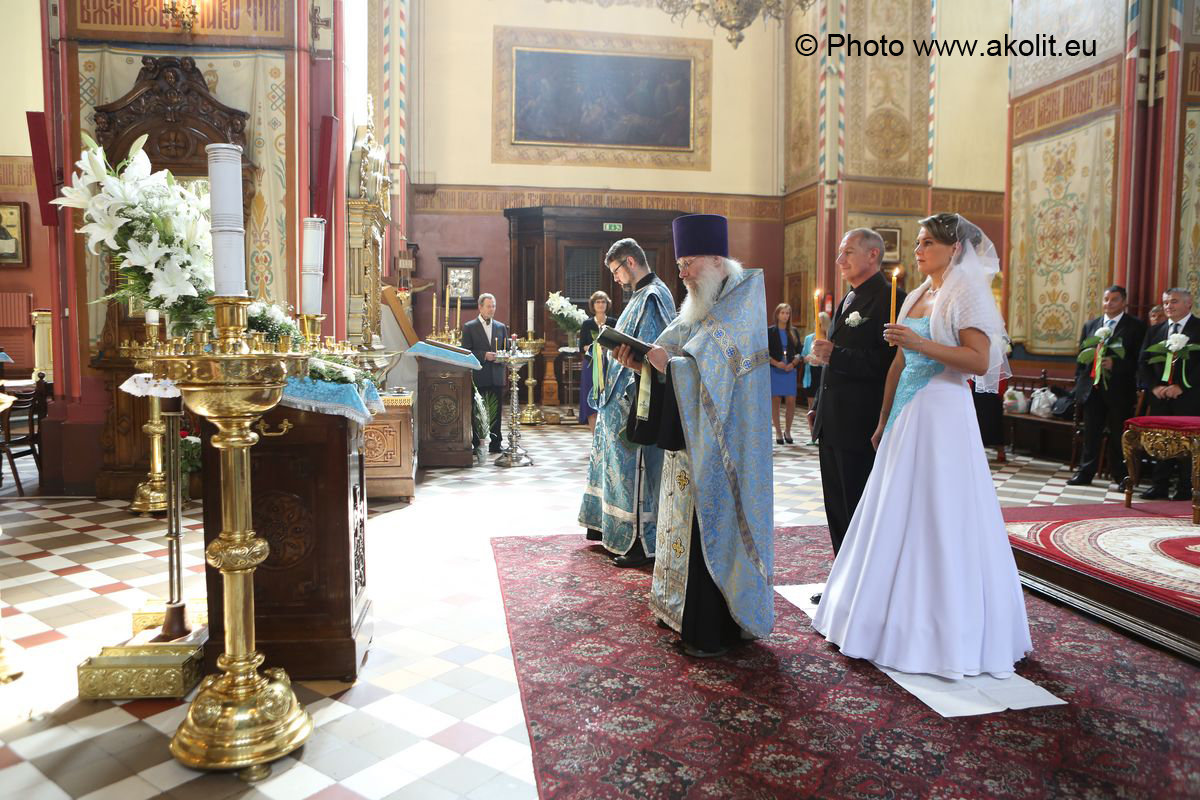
732, 15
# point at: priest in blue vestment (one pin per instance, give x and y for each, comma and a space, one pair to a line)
621, 499
709, 408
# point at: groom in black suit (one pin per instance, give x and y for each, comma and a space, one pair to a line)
856, 360
481, 336
1106, 407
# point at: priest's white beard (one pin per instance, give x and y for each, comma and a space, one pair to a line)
702, 293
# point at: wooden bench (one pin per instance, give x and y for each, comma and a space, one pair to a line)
1051, 438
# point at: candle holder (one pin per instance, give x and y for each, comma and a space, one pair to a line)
514, 456
532, 413
150, 497
310, 329
240, 719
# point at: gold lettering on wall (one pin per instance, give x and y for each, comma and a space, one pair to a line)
1066, 101
246, 18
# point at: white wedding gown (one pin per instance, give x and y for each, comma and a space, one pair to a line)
925, 581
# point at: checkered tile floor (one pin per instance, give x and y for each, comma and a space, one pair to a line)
436, 712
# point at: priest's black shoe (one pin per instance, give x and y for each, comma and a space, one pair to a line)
816, 599
1155, 493
696, 652
594, 535
633, 560
1079, 479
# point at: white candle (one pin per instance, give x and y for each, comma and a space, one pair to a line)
312, 265
229, 237
151, 316
529, 314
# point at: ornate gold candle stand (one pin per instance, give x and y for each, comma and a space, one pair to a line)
532, 413
447, 335
240, 719
310, 328
151, 494
514, 455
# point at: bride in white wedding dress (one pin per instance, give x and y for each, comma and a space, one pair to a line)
925, 581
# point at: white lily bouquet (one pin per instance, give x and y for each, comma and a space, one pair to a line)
566, 314
1175, 349
1096, 348
273, 321
157, 228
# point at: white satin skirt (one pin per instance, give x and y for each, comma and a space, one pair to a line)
925, 581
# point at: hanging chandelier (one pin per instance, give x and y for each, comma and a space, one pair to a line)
732, 15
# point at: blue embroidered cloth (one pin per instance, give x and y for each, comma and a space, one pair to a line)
919, 370
325, 397
435, 353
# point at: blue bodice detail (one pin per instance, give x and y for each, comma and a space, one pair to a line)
918, 370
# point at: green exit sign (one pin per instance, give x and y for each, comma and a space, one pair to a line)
613, 227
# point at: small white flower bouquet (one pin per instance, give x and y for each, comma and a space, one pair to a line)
158, 228
1096, 348
855, 319
273, 321
1175, 349
566, 314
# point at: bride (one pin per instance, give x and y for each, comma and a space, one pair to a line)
925, 581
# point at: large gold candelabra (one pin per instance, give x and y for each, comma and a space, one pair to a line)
532, 413
151, 494
240, 719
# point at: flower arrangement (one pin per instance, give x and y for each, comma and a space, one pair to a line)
158, 228
189, 452
1096, 348
1174, 349
272, 320
566, 314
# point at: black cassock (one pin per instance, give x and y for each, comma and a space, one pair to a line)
707, 623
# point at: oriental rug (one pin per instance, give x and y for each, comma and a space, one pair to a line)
615, 711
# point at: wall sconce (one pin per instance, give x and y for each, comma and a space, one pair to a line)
183, 11
316, 22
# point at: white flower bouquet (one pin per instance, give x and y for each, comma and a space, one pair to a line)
272, 320
1096, 348
157, 228
1175, 349
566, 314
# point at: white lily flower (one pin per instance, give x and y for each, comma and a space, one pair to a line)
93, 167
102, 229
1177, 341
145, 254
77, 195
138, 168
170, 282
1103, 332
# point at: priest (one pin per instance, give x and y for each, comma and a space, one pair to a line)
708, 406
620, 501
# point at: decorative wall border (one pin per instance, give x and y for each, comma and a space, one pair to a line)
876, 197
16, 174
1067, 101
483, 200
504, 151
971, 204
240, 23
801, 203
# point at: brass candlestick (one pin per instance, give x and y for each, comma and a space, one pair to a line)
532, 413
310, 328
514, 455
240, 719
151, 494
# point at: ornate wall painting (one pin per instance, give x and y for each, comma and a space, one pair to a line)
1060, 236
14, 235
887, 99
800, 268
601, 99
1188, 260
801, 142
1102, 20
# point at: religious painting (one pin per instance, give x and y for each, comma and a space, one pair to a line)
591, 98
601, 99
799, 298
891, 244
460, 280
14, 235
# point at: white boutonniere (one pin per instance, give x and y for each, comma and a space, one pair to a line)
855, 319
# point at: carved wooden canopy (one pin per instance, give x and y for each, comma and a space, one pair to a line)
170, 101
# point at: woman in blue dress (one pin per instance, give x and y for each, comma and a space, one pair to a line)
783, 345
598, 305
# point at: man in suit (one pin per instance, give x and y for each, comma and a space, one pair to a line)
856, 360
1172, 398
1105, 408
481, 336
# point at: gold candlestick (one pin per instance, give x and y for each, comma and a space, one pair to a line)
150, 497
310, 329
240, 719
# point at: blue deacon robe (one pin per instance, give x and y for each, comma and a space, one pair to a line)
719, 368
621, 498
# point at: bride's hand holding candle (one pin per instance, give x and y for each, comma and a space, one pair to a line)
902, 336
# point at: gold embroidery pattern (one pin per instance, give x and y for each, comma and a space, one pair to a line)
677, 548
682, 480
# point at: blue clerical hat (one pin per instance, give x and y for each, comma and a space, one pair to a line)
701, 235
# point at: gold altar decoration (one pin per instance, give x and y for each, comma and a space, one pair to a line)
310, 329
368, 213
240, 719
135, 671
150, 497
1160, 443
532, 413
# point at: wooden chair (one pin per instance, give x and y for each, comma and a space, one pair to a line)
32, 407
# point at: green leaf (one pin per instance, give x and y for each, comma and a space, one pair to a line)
1086, 356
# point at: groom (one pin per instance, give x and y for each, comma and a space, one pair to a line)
856, 360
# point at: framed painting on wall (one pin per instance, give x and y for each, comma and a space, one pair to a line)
891, 244
14, 235
460, 279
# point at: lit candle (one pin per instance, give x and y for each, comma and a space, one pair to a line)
435, 312
529, 316
458, 312
312, 265
895, 276
817, 315
151, 316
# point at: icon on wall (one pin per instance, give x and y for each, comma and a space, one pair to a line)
14, 239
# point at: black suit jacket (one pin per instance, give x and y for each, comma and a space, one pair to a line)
851, 394
475, 340
1122, 380
1150, 375
777, 350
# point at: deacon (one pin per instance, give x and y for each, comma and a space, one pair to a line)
1179, 395
620, 501
709, 407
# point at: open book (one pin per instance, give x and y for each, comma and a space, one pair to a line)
612, 338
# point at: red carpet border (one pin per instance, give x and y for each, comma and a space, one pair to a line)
615, 711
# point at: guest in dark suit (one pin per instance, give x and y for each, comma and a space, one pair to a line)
783, 347
1172, 398
481, 336
856, 360
1105, 409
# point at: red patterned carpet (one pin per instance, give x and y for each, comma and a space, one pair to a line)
614, 711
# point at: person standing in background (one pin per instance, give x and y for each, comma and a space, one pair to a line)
480, 336
598, 305
783, 345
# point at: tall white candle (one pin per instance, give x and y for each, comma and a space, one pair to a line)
229, 237
312, 265
151, 316
529, 314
